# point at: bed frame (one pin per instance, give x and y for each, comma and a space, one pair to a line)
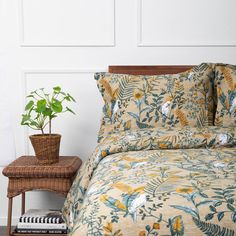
148, 70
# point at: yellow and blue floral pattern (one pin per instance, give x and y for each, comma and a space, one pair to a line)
225, 86
176, 181
137, 102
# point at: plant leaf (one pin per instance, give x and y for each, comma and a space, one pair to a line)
34, 123
25, 118
233, 216
133, 115
47, 112
41, 105
56, 106
209, 216
220, 215
57, 89
186, 210
230, 200
230, 207
212, 208
71, 97
29, 105
213, 229
217, 203
68, 109
203, 203
148, 228
67, 98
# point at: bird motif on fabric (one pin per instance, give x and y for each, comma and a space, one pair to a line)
138, 201
132, 199
222, 139
190, 75
165, 108
115, 108
134, 162
113, 203
122, 166
232, 101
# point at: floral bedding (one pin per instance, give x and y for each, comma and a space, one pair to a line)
225, 86
134, 102
176, 181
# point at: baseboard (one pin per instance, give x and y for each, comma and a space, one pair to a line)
3, 220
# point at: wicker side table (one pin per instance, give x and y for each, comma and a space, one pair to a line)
25, 175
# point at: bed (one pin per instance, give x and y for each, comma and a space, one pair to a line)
178, 180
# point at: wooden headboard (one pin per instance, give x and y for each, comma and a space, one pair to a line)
148, 70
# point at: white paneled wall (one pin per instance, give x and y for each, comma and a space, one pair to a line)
44, 43
59, 23
187, 23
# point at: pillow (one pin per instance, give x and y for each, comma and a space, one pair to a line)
137, 102
225, 86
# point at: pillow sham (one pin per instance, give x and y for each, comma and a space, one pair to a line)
225, 86
174, 100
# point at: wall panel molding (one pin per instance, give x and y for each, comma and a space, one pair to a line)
181, 43
24, 42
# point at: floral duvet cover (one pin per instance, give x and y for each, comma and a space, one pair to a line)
157, 182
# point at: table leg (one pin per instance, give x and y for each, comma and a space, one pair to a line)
23, 204
10, 200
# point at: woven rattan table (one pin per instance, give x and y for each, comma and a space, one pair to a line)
25, 175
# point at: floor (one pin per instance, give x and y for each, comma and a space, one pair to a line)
3, 231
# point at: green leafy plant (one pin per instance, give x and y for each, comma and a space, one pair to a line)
42, 107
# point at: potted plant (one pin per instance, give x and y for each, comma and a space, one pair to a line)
40, 110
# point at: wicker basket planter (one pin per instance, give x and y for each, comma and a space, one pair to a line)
46, 147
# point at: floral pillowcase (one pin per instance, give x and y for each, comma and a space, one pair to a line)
137, 102
225, 86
